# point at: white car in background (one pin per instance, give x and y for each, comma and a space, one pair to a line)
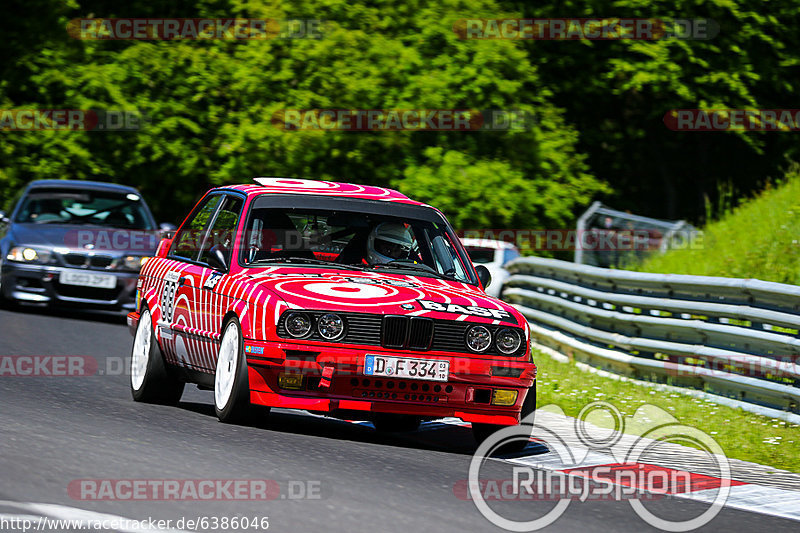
494, 255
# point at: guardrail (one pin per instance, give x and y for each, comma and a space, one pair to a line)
739, 338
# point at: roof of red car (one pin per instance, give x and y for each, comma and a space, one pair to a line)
325, 188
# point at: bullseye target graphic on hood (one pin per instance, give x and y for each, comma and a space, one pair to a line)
349, 293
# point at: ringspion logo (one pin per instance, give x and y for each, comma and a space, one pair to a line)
565, 474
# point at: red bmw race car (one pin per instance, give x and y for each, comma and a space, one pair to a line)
335, 298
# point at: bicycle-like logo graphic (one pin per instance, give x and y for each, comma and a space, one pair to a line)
626, 474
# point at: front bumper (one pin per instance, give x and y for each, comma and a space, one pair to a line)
467, 394
40, 285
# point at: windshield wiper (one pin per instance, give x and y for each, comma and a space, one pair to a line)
306, 260
410, 265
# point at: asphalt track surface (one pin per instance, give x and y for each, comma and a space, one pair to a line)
59, 429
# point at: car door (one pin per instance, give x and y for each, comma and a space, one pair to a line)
200, 285
176, 306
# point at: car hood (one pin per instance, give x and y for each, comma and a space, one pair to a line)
85, 238
383, 293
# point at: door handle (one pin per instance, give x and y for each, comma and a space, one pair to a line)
181, 281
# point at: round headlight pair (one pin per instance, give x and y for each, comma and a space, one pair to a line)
330, 326
507, 340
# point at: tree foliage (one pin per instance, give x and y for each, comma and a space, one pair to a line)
617, 92
598, 105
211, 104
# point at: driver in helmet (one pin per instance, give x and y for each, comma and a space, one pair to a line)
389, 241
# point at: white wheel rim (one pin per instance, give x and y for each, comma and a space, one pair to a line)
226, 366
141, 350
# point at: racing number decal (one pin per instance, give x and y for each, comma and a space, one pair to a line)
168, 295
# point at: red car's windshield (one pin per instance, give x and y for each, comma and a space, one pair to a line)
275, 235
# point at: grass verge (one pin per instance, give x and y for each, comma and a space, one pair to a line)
741, 435
759, 239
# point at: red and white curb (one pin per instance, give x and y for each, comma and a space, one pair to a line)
702, 487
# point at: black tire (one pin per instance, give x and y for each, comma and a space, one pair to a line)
236, 407
158, 385
481, 432
393, 423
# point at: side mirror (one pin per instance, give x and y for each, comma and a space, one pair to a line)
484, 276
3, 217
216, 259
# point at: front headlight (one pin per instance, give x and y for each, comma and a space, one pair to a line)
330, 326
25, 254
298, 324
508, 341
479, 338
133, 262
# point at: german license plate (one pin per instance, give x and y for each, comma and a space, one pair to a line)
87, 279
406, 368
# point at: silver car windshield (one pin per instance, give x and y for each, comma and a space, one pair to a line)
70, 206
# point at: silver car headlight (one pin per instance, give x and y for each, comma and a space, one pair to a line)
27, 254
479, 338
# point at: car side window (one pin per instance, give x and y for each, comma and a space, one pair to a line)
223, 230
189, 240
